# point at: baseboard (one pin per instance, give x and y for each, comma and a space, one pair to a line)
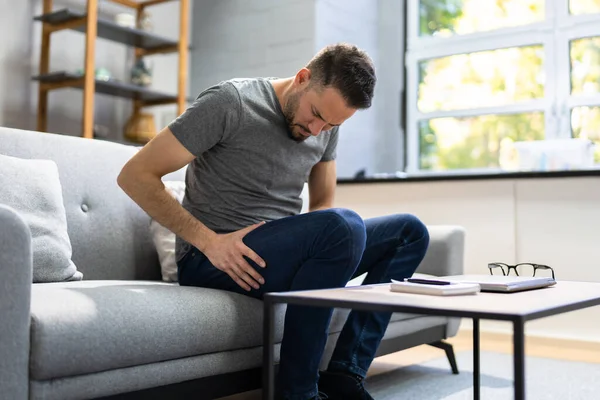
545, 340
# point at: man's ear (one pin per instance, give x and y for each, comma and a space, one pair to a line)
303, 77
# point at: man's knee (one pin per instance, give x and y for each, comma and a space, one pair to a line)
351, 225
348, 219
416, 230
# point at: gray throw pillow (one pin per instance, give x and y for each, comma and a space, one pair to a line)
33, 189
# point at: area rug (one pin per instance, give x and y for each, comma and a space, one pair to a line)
545, 379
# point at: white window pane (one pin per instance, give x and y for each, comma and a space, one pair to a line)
585, 65
585, 123
474, 142
483, 79
445, 18
578, 7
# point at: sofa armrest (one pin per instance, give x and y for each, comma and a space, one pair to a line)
445, 256
16, 263
446, 252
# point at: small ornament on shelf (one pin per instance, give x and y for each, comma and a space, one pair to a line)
125, 20
141, 73
100, 73
146, 22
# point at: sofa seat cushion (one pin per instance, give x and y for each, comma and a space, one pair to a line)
91, 326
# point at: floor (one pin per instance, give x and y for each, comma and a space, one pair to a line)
535, 346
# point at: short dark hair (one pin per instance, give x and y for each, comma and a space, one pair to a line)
348, 69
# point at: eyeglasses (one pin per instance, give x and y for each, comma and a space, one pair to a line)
524, 268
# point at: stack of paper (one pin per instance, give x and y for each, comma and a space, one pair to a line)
453, 289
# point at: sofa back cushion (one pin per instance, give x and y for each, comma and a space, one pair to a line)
109, 233
32, 188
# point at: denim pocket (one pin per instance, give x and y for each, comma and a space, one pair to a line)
181, 264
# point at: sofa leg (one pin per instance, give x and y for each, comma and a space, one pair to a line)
447, 347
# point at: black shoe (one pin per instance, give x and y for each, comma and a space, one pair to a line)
339, 386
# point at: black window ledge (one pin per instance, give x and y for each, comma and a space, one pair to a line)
469, 176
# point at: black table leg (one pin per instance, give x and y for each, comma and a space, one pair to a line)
268, 356
476, 370
519, 359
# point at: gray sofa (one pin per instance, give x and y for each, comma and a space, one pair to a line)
123, 333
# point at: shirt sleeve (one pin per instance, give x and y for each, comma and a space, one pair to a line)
212, 118
331, 149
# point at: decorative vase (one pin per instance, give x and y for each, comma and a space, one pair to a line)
140, 128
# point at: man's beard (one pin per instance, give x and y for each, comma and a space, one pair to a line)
289, 112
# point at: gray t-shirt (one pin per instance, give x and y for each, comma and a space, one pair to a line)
247, 168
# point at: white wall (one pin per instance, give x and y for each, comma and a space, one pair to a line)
371, 139
250, 38
354, 22
549, 221
15, 47
388, 135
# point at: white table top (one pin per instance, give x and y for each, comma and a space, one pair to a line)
563, 297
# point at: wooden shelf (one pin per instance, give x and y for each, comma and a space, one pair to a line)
69, 19
137, 4
58, 80
145, 43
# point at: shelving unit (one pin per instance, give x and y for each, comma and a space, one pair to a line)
145, 44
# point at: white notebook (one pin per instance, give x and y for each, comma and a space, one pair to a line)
501, 283
453, 289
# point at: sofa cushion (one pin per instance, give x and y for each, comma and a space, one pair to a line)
164, 239
91, 326
33, 189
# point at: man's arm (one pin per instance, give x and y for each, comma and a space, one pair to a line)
141, 180
141, 177
321, 185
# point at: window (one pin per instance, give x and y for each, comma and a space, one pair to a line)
483, 74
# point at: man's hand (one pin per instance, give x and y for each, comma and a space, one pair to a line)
226, 252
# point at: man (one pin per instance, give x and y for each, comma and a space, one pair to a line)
251, 144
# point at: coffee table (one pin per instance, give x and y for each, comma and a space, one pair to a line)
517, 308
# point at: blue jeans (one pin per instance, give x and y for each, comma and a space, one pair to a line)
317, 250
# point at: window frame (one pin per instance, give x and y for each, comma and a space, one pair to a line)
554, 33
